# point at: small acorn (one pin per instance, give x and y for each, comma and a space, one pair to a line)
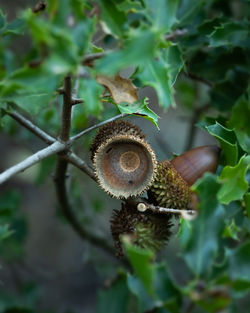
146, 230
192, 164
171, 187
125, 164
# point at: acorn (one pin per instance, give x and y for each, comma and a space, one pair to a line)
125, 164
192, 164
146, 230
171, 187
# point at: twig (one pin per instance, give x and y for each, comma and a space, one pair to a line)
199, 79
71, 157
32, 127
81, 164
67, 211
33, 159
142, 205
60, 176
187, 214
85, 131
192, 129
67, 106
89, 58
176, 33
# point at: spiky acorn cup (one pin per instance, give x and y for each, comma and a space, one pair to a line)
125, 164
146, 229
113, 129
169, 189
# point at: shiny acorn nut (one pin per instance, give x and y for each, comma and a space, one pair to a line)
192, 164
125, 166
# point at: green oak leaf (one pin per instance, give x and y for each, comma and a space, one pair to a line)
90, 91
233, 179
157, 74
247, 202
161, 13
138, 50
239, 260
139, 108
231, 231
200, 237
113, 18
175, 61
227, 140
116, 298
232, 33
240, 122
2, 20
130, 6
141, 260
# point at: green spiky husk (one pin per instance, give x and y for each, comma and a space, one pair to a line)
169, 190
146, 229
113, 129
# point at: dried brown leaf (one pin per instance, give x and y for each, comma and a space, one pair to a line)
121, 89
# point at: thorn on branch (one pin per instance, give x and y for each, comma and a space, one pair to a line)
61, 91
76, 101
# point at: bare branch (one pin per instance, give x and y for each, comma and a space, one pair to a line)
81, 164
72, 157
33, 159
89, 58
187, 214
67, 107
192, 126
142, 205
67, 211
32, 127
61, 170
85, 131
199, 79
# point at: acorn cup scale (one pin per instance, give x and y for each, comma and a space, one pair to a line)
171, 187
145, 230
125, 164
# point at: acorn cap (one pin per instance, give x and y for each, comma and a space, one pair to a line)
169, 190
125, 166
147, 230
113, 129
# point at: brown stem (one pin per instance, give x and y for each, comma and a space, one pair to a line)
199, 79
192, 126
63, 200
67, 107
60, 175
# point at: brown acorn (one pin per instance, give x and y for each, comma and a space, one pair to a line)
146, 230
125, 164
191, 165
171, 187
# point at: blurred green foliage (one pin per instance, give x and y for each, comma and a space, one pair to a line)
214, 51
